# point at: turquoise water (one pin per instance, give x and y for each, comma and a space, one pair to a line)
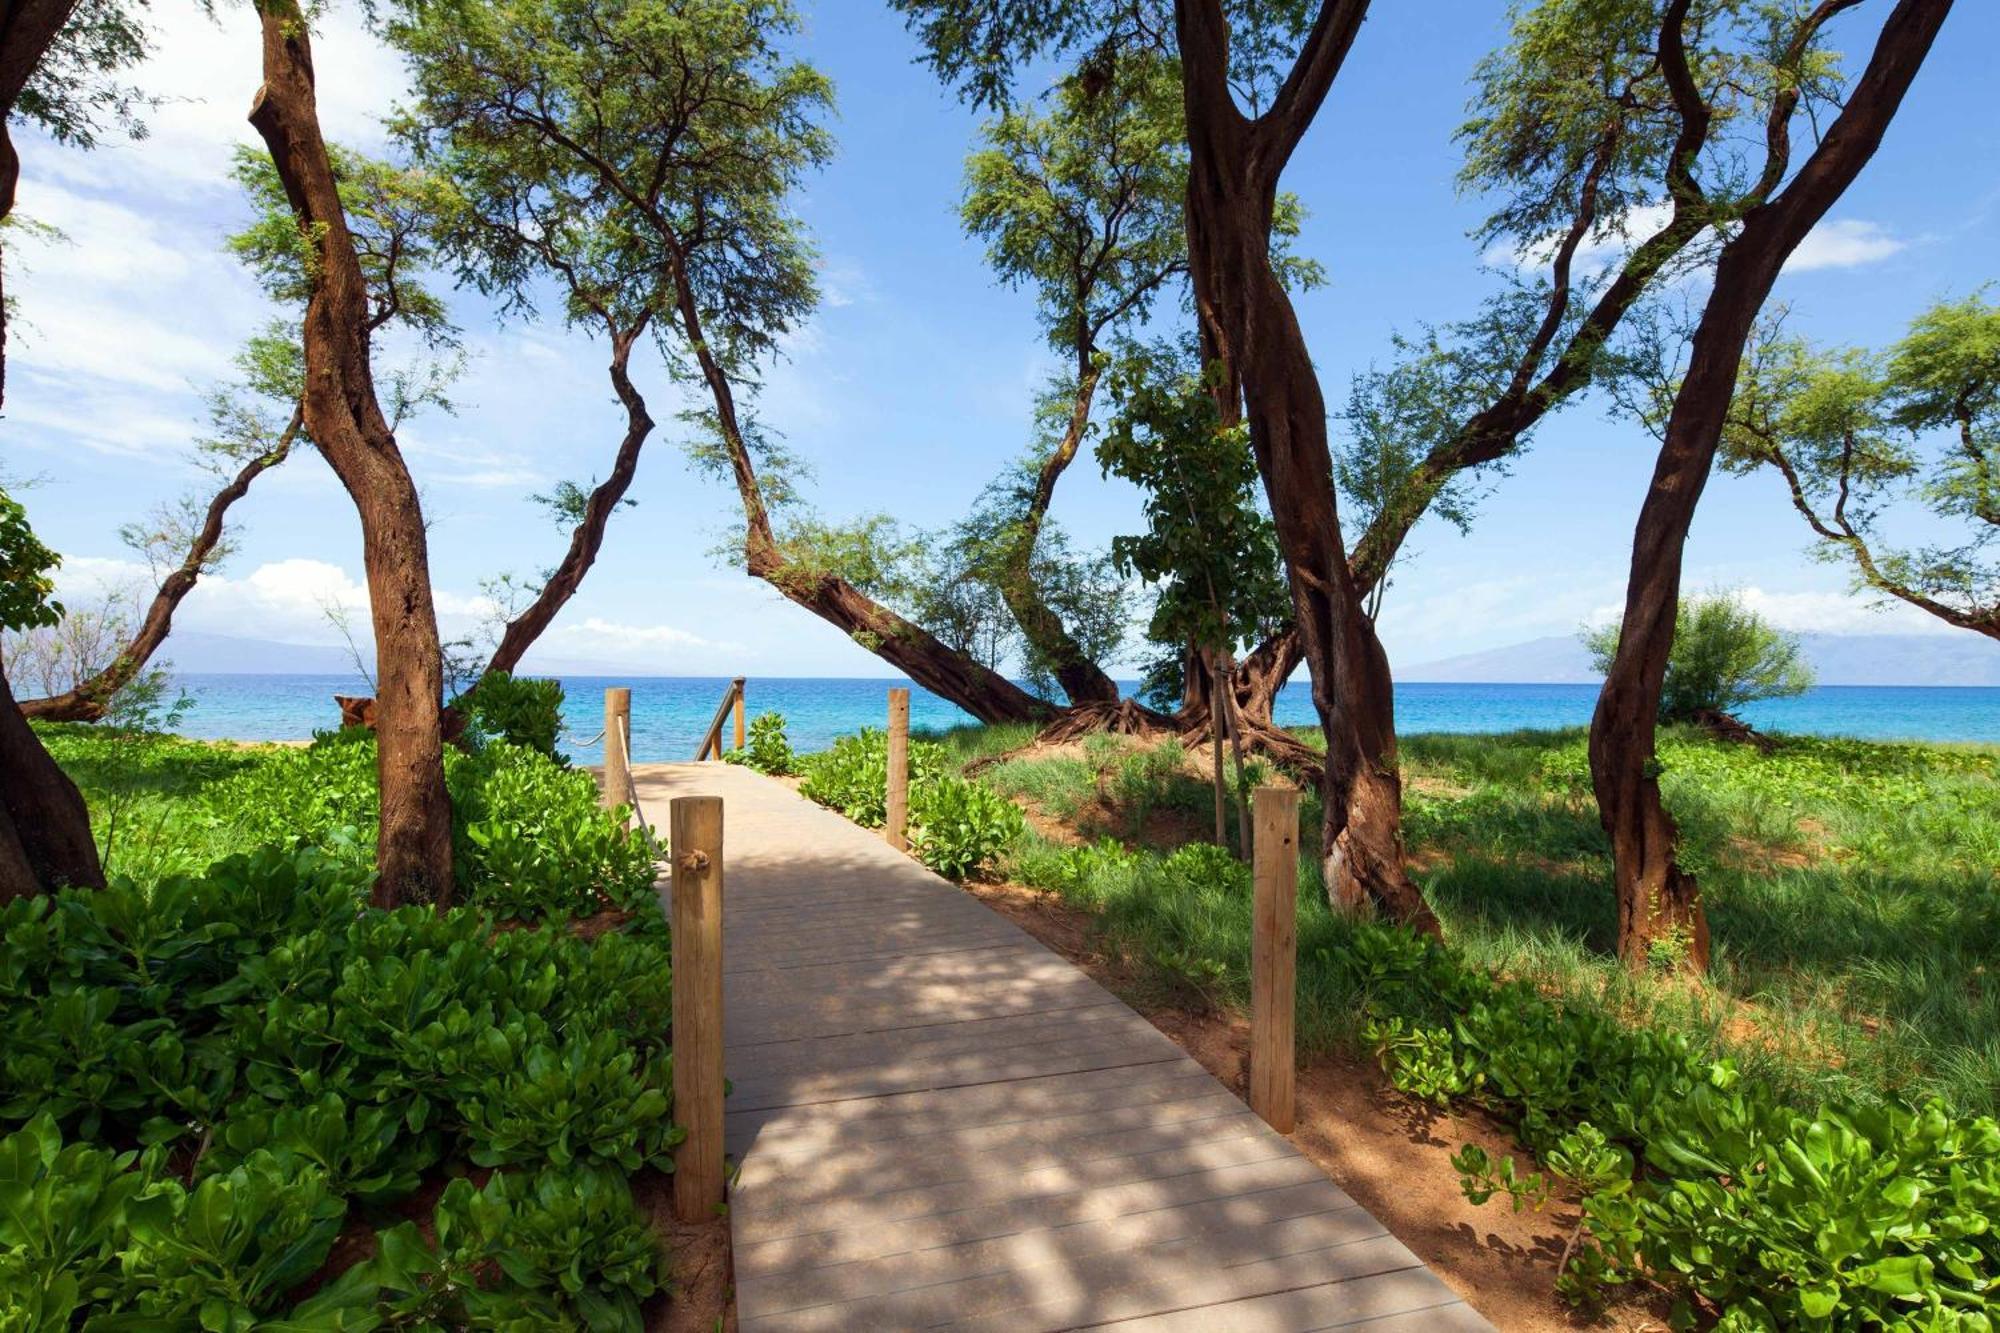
670, 714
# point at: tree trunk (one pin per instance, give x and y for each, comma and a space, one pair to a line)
585, 542
45, 838
1661, 921
345, 421
1260, 676
1248, 321
1082, 680
90, 700
972, 685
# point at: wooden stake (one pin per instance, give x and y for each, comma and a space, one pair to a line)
617, 764
1274, 955
695, 835
739, 712
896, 825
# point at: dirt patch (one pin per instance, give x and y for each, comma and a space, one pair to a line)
1390, 1152
700, 1294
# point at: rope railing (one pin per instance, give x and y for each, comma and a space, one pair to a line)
624, 738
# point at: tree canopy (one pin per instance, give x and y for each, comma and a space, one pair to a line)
1866, 442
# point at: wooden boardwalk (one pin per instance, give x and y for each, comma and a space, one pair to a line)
941, 1122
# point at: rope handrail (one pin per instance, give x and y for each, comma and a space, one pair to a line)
624, 736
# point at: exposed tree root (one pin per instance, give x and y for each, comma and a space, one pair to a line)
1126, 717
1725, 727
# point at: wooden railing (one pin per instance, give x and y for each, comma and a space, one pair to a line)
732, 700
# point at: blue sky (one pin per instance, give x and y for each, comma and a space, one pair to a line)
911, 387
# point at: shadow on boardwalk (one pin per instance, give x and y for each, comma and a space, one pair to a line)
941, 1122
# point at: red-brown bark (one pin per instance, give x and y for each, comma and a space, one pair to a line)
588, 539
1082, 680
45, 837
346, 422
1248, 324
1661, 919
89, 700
973, 686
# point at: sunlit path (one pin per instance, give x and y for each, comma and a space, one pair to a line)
941, 1122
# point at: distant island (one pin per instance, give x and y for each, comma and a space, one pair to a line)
1837, 659
1558, 659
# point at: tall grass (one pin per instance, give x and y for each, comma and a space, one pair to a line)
1852, 892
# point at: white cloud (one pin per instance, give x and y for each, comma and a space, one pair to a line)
1844, 243
1806, 612
1838, 243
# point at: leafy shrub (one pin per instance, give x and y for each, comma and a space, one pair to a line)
519, 710
305, 1054
957, 827
531, 841
768, 749
1724, 655
1846, 1217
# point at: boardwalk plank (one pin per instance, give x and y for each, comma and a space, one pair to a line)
942, 1123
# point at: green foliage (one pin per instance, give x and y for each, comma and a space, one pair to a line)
1858, 436
1082, 200
957, 828
1208, 548
518, 710
531, 840
662, 144
72, 91
306, 1055
26, 590
1724, 655
1776, 1150
767, 749
392, 212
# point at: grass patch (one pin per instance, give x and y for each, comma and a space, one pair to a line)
1852, 891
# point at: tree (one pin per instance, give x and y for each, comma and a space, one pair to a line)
1208, 550
45, 838
1082, 203
1769, 208
1724, 656
1854, 435
345, 418
59, 61
690, 123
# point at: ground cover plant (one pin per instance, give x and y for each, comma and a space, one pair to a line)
1804, 1141
958, 827
237, 1096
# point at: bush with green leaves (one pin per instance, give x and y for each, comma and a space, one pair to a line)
1724, 655
300, 1059
519, 710
1767, 1216
768, 749
531, 840
957, 827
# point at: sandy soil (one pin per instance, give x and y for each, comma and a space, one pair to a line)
1390, 1152
700, 1296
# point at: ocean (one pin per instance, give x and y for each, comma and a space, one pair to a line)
671, 713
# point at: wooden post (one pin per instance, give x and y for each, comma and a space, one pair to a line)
739, 712
695, 835
1274, 945
617, 764
897, 824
